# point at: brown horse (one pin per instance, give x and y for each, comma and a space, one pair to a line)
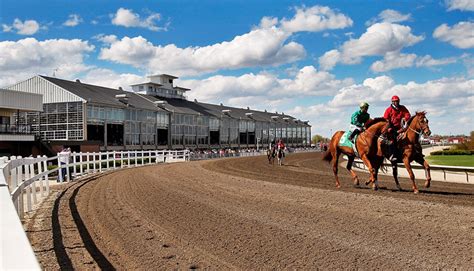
367, 147
410, 149
280, 154
271, 155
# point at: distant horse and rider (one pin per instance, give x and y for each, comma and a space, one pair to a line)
276, 150
395, 137
280, 152
271, 154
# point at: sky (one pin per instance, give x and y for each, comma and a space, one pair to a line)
314, 60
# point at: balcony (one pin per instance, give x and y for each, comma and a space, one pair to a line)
13, 132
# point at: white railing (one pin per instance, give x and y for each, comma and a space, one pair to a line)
467, 171
21, 178
193, 156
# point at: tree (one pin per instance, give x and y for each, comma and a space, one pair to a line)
318, 138
471, 142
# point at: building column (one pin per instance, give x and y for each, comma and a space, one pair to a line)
105, 134
170, 144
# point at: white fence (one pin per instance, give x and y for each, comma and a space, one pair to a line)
448, 171
193, 156
27, 179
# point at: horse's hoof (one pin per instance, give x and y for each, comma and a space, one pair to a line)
375, 188
399, 188
416, 192
427, 184
367, 182
338, 186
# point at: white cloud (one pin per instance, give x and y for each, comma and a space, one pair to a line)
463, 5
379, 39
389, 16
27, 57
268, 22
307, 82
73, 20
106, 39
267, 44
126, 17
468, 62
110, 79
460, 35
429, 61
28, 27
396, 60
315, 19
261, 46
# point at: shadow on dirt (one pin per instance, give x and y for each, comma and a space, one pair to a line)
62, 256
89, 244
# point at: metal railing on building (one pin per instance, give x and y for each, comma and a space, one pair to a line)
15, 129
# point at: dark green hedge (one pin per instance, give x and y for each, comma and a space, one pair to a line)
453, 152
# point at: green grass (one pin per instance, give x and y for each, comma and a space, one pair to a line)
451, 160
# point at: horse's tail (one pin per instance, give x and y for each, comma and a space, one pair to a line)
327, 156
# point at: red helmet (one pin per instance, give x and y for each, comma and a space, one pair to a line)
395, 98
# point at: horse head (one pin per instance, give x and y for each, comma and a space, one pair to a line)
420, 124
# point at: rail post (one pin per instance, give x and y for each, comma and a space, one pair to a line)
26, 175
81, 168
38, 165
60, 169
74, 171
46, 177
32, 174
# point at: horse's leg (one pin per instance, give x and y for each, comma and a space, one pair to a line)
406, 161
395, 175
371, 170
355, 179
420, 160
335, 161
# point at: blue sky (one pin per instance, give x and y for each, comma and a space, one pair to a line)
315, 60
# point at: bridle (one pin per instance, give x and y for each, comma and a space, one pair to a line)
421, 131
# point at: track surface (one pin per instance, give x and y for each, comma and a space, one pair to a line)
245, 214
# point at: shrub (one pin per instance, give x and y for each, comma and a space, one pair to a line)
452, 152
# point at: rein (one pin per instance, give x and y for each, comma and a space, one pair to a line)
420, 133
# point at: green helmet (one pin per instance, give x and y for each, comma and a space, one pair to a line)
363, 105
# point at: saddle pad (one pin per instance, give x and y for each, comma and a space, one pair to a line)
345, 142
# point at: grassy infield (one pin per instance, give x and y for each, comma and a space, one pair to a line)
451, 160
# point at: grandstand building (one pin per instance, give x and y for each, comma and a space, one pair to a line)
154, 115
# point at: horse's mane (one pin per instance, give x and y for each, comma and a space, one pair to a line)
373, 121
417, 113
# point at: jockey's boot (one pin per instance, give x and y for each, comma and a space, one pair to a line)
393, 153
352, 135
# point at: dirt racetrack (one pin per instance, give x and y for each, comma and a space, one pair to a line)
242, 213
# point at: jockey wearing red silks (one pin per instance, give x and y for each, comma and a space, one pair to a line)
280, 144
396, 112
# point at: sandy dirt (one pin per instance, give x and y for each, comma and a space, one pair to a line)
243, 213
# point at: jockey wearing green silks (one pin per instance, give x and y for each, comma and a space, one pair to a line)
358, 119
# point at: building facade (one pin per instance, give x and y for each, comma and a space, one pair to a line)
154, 115
17, 138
